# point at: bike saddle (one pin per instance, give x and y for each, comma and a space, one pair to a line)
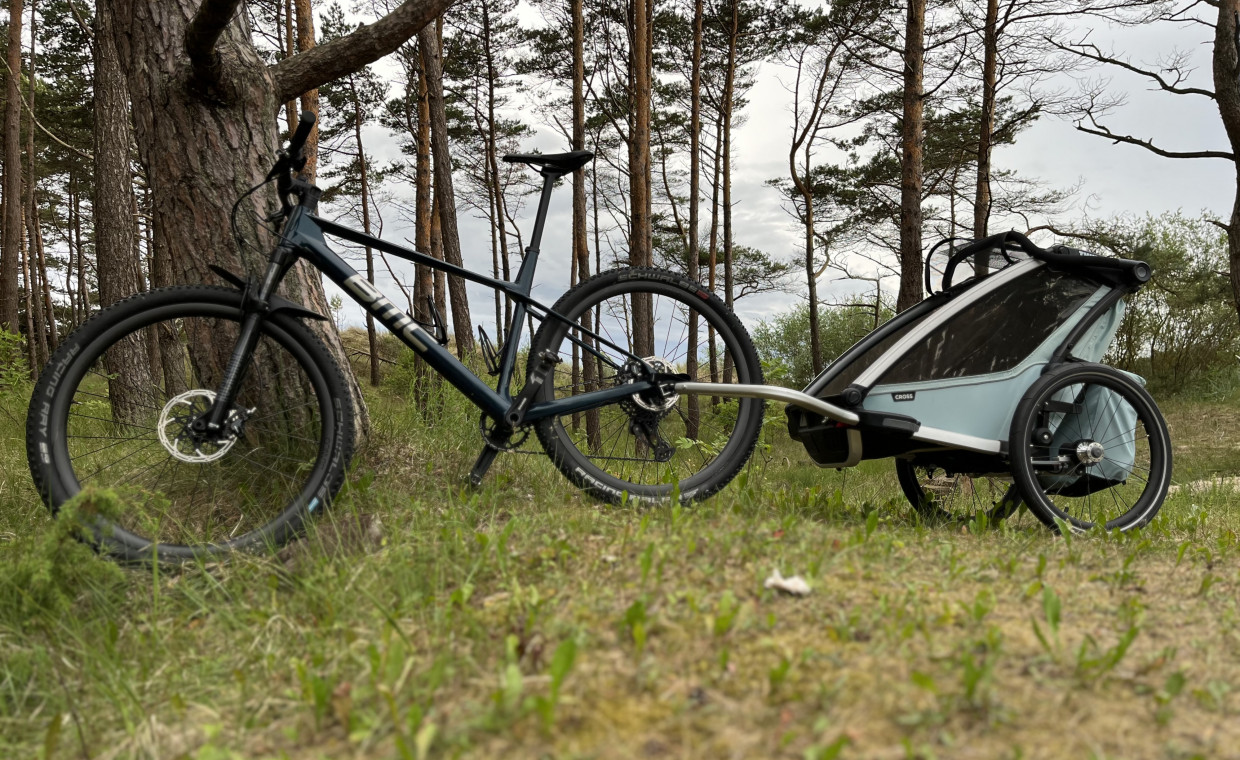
557, 163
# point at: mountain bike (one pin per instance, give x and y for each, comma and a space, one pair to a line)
223, 422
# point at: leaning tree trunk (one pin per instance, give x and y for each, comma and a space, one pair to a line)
203, 144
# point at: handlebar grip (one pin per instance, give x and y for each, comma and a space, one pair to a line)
304, 124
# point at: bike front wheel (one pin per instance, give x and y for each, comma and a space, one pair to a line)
115, 410
690, 444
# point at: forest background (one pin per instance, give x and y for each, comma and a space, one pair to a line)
1061, 119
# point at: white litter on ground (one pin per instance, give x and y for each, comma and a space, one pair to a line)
794, 585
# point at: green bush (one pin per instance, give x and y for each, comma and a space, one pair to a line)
1180, 331
46, 572
783, 341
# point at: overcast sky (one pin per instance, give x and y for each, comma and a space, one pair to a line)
1113, 179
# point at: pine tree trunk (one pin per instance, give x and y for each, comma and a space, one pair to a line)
432, 64
42, 308
911, 157
441, 286
10, 253
729, 95
372, 340
424, 286
713, 263
581, 241
201, 149
310, 98
32, 346
641, 233
985, 131
114, 230
290, 49
693, 263
71, 259
1226, 70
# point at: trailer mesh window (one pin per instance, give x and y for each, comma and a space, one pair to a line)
997, 332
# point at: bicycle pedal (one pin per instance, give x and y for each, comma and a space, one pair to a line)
489, 353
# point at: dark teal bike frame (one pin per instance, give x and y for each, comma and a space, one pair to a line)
303, 237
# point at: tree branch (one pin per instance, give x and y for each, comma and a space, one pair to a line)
203, 32
367, 44
1096, 55
1102, 131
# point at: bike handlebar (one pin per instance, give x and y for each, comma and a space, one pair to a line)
296, 145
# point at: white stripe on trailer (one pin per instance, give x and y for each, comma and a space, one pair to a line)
958, 304
958, 440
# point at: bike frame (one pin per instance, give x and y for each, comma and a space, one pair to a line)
303, 237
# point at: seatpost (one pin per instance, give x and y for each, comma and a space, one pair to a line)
544, 202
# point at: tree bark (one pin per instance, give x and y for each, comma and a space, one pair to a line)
290, 49
44, 317
641, 233
424, 286
581, 242
1226, 69
310, 97
432, 64
202, 149
693, 268
372, 339
729, 95
10, 255
985, 131
114, 230
911, 157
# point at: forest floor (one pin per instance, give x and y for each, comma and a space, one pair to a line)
525, 620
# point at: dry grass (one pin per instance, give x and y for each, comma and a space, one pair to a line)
450, 638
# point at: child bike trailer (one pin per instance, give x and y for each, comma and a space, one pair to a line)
989, 393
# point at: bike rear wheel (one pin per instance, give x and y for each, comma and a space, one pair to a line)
693, 443
114, 410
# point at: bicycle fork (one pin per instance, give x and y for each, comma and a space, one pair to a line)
255, 307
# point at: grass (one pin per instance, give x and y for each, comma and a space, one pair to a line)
525, 620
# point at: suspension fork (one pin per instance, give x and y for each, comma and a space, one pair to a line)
254, 305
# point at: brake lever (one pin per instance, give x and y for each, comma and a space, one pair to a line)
282, 165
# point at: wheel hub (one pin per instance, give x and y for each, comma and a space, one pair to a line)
1090, 452
182, 428
650, 401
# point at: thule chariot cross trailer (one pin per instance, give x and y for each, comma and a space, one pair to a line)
988, 393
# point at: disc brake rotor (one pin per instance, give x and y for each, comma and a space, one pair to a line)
180, 441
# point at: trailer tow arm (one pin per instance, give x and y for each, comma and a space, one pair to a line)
772, 393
